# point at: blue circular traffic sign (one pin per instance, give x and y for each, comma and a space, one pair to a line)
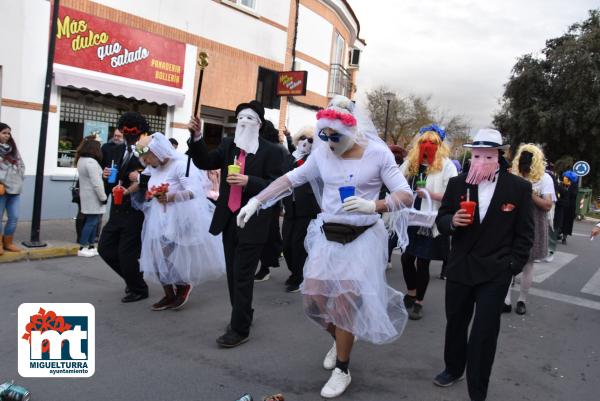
581, 168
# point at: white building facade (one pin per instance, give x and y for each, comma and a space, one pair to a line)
114, 56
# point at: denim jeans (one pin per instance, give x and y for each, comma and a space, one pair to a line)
11, 204
88, 232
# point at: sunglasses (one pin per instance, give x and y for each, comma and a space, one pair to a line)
303, 138
333, 137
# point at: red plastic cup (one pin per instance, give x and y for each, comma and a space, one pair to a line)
118, 195
469, 206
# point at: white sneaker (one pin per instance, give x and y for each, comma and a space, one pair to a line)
329, 361
94, 251
550, 258
337, 384
86, 253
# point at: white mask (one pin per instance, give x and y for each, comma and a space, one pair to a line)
343, 145
302, 149
246, 131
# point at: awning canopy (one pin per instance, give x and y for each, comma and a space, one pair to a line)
65, 75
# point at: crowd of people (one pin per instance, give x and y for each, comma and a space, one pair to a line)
347, 200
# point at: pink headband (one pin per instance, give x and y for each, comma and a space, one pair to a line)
329, 114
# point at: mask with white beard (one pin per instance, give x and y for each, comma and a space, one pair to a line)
302, 149
246, 130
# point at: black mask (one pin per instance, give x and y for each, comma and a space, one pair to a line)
525, 162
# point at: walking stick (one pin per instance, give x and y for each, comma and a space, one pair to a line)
202, 63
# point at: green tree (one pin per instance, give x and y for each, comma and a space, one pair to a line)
554, 99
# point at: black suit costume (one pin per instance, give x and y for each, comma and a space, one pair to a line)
242, 246
484, 257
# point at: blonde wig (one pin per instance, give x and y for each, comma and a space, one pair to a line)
538, 164
413, 154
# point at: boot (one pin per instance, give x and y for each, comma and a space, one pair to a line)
183, 294
1, 246
7, 240
167, 300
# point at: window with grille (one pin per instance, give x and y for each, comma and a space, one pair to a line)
84, 113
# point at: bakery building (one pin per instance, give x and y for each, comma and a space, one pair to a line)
114, 56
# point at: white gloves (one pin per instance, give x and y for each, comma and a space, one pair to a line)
247, 211
359, 205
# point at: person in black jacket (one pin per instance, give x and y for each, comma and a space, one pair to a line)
300, 208
260, 163
486, 252
121, 239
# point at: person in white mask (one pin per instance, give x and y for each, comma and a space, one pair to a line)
248, 164
344, 289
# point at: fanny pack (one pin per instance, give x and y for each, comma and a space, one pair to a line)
343, 233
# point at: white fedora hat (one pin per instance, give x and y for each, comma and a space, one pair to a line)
487, 138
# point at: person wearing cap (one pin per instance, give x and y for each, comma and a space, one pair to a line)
428, 170
300, 209
120, 242
488, 248
565, 218
345, 291
259, 164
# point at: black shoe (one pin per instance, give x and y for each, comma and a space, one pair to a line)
416, 312
507, 308
409, 301
231, 339
134, 297
292, 288
262, 275
127, 290
564, 241
442, 277
521, 309
446, 379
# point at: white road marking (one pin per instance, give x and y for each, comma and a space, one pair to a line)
543, 270
586, 303
581, 235
593, 285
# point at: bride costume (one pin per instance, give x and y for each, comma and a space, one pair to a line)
177, 248
345, 284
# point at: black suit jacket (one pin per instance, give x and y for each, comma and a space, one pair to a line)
116, 153
486, 250
302, 202
261, 168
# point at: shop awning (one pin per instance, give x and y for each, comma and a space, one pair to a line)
118, 86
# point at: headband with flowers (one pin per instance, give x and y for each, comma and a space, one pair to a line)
330, 114
433, 128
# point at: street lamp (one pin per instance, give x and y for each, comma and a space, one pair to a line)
388, 96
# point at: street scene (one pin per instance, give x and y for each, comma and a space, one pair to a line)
271, 200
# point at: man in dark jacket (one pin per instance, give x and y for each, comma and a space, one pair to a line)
488, 248
259, 164
121, 239
300, 208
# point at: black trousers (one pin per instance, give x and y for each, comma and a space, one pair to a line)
241, 260
120, 246
294, 233
272, 249
477, 350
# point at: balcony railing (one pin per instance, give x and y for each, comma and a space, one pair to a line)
340, 81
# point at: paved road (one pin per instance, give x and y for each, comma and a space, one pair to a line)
550, 354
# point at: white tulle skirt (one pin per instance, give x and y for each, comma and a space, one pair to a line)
345, 285
176, 245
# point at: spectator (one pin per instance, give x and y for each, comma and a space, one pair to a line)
91, 193
12, 171
117, 139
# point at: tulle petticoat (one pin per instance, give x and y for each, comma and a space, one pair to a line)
176, 245
345, 285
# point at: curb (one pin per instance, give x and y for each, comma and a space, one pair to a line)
48, 252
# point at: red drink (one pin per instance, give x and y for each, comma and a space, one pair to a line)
118, 195
469, 206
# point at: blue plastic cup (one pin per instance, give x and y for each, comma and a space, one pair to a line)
112, 178
346, 192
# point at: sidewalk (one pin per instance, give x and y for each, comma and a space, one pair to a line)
58, 234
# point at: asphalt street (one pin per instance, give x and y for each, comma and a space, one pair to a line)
552, 353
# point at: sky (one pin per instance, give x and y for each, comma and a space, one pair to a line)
459, 52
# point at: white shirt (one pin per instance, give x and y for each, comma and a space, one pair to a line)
485, 191
376, 167
545, 186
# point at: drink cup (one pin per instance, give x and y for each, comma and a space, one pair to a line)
469, 206
118, 195
421, 184
112, 178
234, 169
346, 192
